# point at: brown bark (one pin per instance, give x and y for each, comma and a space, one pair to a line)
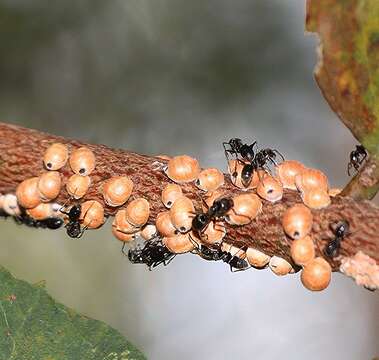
21, 152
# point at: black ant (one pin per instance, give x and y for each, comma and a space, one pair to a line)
251, 159
241, 151
216, 254
217, 210
266, 155
260, 162
340, 232
73, 227
152, 254
52, 223
357, 157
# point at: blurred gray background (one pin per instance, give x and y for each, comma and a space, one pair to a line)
173, 76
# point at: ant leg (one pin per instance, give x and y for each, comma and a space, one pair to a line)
123, 247
82, 232
201, 199
229, 150
221, 228
124, 232
364, 156
358, 165
276, 151
195, 244
273, 161
169, 260
349, 168
226, 151
243, 249
237, 214
234, 174
158, 166
232, 269
64, 205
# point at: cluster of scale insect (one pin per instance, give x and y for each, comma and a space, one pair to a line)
182, 228
252, 171
260, 174
33, 203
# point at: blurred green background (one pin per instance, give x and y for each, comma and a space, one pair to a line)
173, 76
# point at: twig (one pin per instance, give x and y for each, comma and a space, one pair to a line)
21, 152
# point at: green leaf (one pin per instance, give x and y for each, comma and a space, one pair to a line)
35, 327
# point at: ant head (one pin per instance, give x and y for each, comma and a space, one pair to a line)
73, 229
75, 212
235, 142
225, 204
341, 229
135, 256
200, 222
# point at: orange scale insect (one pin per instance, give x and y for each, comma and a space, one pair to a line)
246, 208
77, 185
41, 211
181, 214
56, 156
82, 161
117, 190
183, 169
303, 250
49, 185
287, 171
270, 189
92, 214
280, 266
27, 193
210, 179
310, 179
121, 223
257, 258
179, 244
316, 274
164, 225
170, 193
316, 198
137, 212
297, 221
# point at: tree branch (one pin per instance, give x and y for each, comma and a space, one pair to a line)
365, 184
347, 74
21, 153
